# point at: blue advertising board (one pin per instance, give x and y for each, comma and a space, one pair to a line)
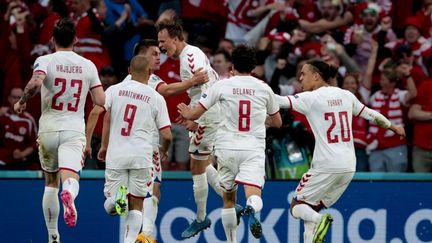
378, 212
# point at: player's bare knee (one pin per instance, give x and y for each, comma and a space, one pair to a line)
156, 191
252, 190
199, 164
229, 198
135, 203
65, 174
52, 179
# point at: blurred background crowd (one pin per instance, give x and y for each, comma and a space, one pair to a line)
383, 50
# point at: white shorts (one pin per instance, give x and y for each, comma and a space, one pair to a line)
61, 150
201, 142
315, 188
138, 181
240, 167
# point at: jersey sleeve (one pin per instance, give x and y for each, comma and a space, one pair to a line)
191, 62
162, 117
93, 76
357, 106
302, 102
108, 98
155, 82
41, 64
211, 96
272, 105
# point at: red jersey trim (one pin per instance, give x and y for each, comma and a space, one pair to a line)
247, 184
361, 110
274, 113
165, 127
289, 99
39, 71
202, 106
97, 86
158, 85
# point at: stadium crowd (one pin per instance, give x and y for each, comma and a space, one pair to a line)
383, 51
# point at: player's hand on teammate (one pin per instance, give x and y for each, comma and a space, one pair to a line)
191, 126
200, 77
183, 109
399, 130
20, 107
102, 154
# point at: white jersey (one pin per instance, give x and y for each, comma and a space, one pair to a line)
69, 77
154, 82
191, 59
329, 111
245, 102
136, 109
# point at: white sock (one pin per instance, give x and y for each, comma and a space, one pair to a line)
200, 189
132, 226
150, 210
51, 209
308, 234
256, 203
71, 185
213, 179
306, 213
229, 222
109, 206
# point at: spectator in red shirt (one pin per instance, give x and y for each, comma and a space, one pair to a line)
421, 113
17, 135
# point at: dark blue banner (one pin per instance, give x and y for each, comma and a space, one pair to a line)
378, 212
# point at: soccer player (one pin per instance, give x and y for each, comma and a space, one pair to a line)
150, 50
240, 140
133, 111
64, 79
329, 111
171, 40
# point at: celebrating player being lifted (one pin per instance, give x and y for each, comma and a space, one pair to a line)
170, 36
134, 110
329, 111
240, 139
149, 49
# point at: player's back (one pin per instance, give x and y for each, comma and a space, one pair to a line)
135, 112
69, 77
245, 102
329, 111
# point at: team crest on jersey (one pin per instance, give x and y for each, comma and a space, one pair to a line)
22, 130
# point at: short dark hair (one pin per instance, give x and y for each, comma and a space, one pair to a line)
326, 71
64, 32
173, 27
224, 53
244, 59
144, 44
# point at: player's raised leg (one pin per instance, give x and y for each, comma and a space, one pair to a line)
69, 192
254, 204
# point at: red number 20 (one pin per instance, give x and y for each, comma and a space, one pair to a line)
244, 115
77, 95
129, 116
345, 129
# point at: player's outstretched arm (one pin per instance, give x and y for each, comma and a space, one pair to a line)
282, 101
381, 121
190, 114
200, 77
105, 136
30, 90
90, 126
